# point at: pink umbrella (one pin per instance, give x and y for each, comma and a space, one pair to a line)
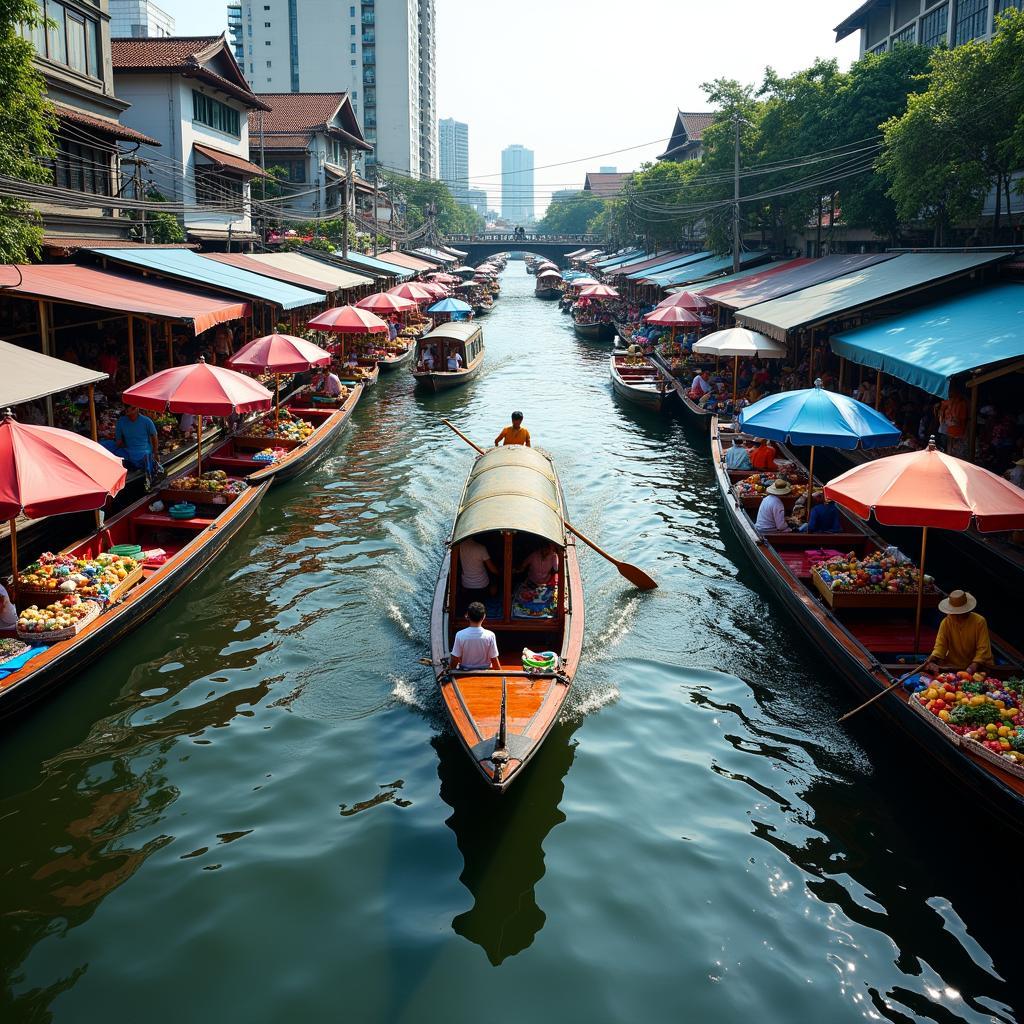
443, 278
583, 282
279, 353
437, 291
413, 290
685, 300
599, 291
384, 302
201, 389
350, 320
673, 316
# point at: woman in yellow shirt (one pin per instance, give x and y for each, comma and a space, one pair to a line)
516, 434
963, 641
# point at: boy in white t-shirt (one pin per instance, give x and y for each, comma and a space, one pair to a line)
475, 647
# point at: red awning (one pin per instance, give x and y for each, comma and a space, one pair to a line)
230, 162
100, 289
243, 262
403, 259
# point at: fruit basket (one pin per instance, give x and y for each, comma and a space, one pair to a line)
104, 577
214, 487
59, 621
879, 580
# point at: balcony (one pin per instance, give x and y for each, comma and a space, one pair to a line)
369, 78
369, 37
369, 58
367, 18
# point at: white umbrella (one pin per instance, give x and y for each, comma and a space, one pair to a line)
740, 341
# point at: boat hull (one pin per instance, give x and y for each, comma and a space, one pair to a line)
594, 332
442, 381
656, 399
548, 294
390, 365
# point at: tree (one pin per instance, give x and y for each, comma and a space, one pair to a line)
27, 128
450, 217
164, 228
570, 215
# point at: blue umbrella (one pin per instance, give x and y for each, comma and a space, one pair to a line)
814, 416
450, 306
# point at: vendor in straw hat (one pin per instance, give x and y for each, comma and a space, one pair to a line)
962, 642
771, 514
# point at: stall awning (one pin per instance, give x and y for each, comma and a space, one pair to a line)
436, 254
183, 264
576, 252
245, 262
29, 375
646, 269
703, 269
722, 288
937, 342
846, 295
641, 260
101, 289
376, 265
296, 262
455, 252
626, 257
403, 259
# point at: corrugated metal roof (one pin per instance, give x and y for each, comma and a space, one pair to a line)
614, 261
943, 339
703, 269
183, 264
638, 274
723, 287
404, 259
511, 489
845, 295
245, 261
312, 267
455, 330
372, 263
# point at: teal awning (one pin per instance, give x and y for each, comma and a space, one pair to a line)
623, 257
937, 342
704, 268
186, 265
674, 263
357, 259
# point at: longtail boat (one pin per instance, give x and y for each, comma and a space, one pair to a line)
186, 547
867, 639
237, 455
693, 412
367, 373
393, 360
512, 503
596, 331
635, 380
460, 336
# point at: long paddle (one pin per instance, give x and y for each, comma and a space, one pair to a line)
633, 573
882, 693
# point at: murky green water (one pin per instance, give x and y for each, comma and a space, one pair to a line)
253, 812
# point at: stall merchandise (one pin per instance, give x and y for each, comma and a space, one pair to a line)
101, 578
57, 621
214, 486
880, 572
288, 428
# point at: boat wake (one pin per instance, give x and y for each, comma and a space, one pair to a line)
618, 627
405, 692
396, 616
589, 702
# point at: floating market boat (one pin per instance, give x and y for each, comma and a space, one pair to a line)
260, 451
174, 551
866, 634
460, 336
597, 330
512, 504
635, 380
367, 373
549, 285
693, 412
393, 360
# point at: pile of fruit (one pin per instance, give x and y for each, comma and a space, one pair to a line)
59, 615
214, 481
87, 577
979, 708
755, 485
268, 455
878, 573
288, 428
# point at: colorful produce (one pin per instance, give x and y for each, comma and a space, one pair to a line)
289, 428
755, 485
878, 573
215, 481
87, 577
61, 614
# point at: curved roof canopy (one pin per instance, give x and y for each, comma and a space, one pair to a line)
511, 489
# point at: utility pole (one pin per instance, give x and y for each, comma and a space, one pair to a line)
262, 222
736, 197
350, 191
375, 209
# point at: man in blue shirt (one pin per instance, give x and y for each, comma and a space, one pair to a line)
737, 457
136, 439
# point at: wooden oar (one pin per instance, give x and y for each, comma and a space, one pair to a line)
633, 573
882, 693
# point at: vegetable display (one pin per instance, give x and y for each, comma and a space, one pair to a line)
289, 428
214, 481
87, 577
879, 572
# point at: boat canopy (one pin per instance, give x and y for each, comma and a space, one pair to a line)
928, 346
511, 489
456, 330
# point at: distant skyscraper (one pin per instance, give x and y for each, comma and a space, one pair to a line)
517, 183
381, 54
608, 170
477, 198
139, 19
453, 145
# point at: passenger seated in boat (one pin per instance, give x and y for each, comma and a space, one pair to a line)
8, 613
516, 434
763, 456
737, 457
475, 570
541, 565
700, 386
351, 363
454, 361
475, 647
963, 641
771, 513
427, 361
328, 384
824, 516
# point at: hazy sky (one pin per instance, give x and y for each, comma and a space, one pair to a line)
571, 79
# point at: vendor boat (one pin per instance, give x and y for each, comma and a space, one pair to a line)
596, 331
461, 336
867, 638
366, 373
483, 308
241, 455
393, 360
637, 381
623, 334
693, 411
174, 551
511, 503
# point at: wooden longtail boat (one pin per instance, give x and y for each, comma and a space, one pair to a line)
693, 412
512, 503
235, 456
601, 331
623, 334
639, 382
368, 375
869, 647
189, 546
461, 336
393, 362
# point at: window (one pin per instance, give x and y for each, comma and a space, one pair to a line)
75, 25
933, 26
351, 30
908, 35
266, 42
352, 47
270, 63
82, 168
213, 189
971, 16
206, 110
266, 24
353, 63
56, 48
295, 170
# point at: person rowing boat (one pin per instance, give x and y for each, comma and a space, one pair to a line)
515, 434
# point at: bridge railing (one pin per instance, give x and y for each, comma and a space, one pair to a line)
511, 236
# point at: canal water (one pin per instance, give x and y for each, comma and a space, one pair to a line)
253, 810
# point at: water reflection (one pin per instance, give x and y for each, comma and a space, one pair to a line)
501, 839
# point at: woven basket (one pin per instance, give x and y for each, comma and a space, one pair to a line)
170, 496
19, 649
56, 635
935, 722
1005, 763
37, 594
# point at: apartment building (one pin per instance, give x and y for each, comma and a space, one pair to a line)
139, 19
453, 143
517, 184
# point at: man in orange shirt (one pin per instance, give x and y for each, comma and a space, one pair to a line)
763, 457
516, 434
953, 422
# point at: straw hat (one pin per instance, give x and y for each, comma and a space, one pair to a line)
959, 602
778, 487
1019, 462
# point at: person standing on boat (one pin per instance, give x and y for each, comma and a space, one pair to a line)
963, 641
474, 646
454, 361
771, 514
737, 457
516, 434
137, 441
475, 569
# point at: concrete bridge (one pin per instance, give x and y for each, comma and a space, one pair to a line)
486, 244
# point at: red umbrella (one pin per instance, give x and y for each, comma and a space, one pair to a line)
685, 300
384, 302
674, 316
929, 488
45, 471
201, 389
444, 278
279, 353
411, 290
350, 320
437, 291
599, 291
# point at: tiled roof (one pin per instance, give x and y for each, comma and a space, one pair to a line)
69, 245
695, 124
102, 125
297, 111
606, 184
276, 141
229, 161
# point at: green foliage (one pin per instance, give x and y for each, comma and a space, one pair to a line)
419, 196
27, 128
571, 215
163, 228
